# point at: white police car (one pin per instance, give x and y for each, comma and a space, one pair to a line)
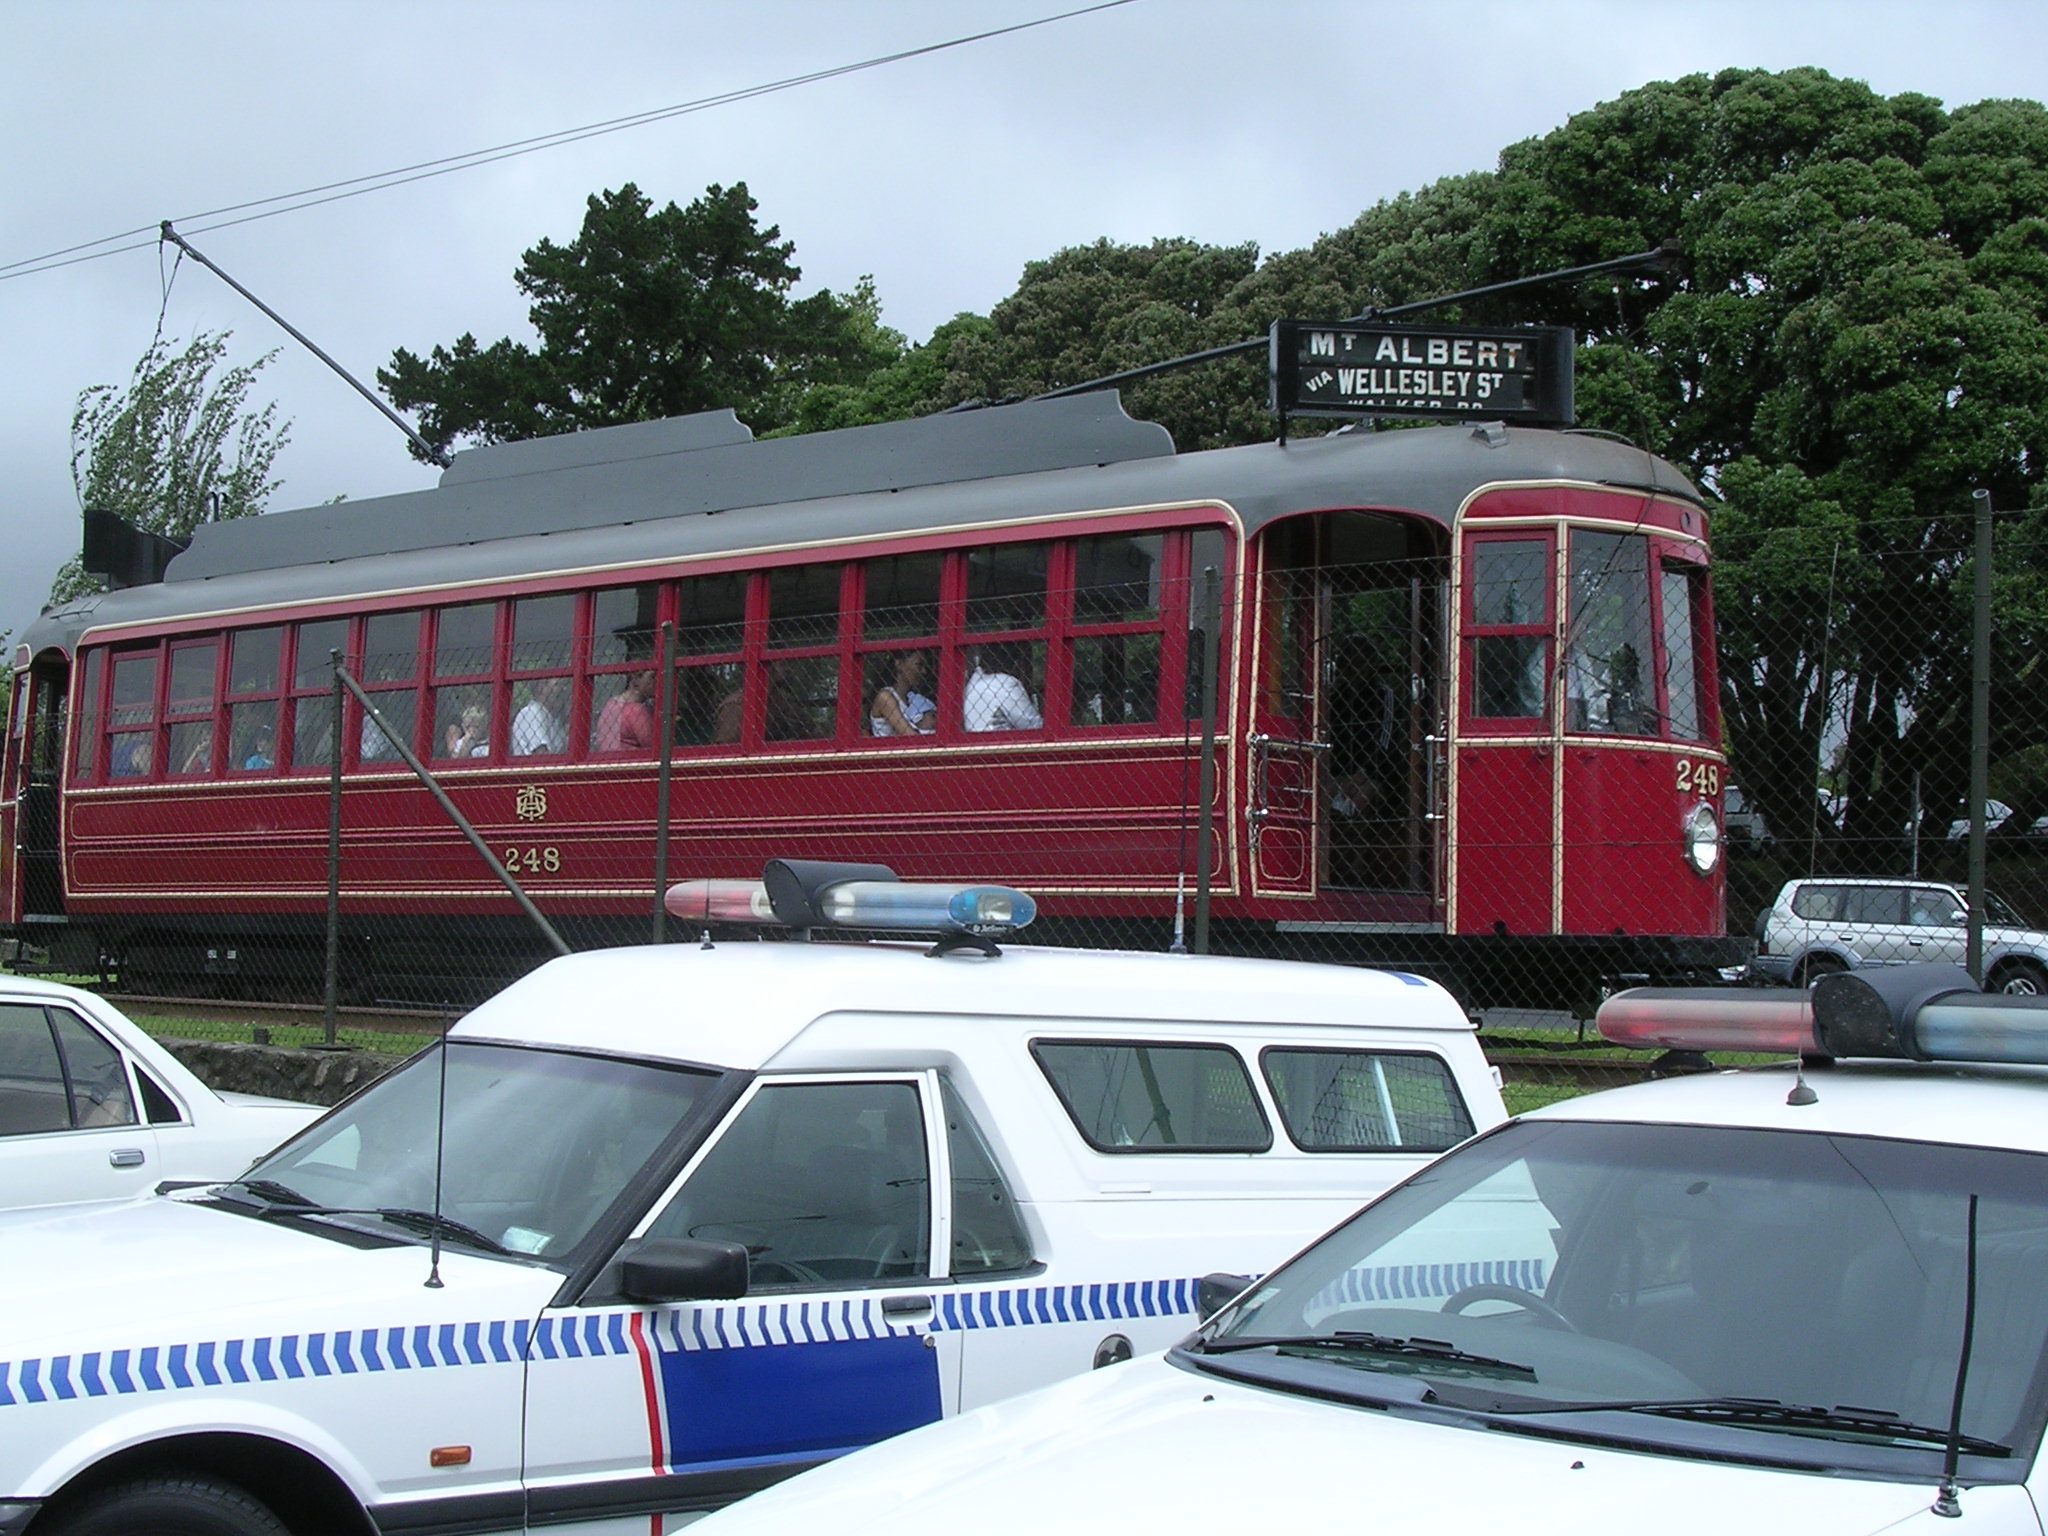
1779, 1299
91, 1108
660, 1226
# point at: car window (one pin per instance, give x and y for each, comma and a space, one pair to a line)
1930, 907
988, 1230
1875, 904
1818, 903
97, 1075
1366, 1101
824, 1183
32, 1095
1141, 1097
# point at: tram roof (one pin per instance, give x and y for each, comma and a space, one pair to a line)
702, 486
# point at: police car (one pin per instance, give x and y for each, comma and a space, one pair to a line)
91, 1108
1809, 1297
660, 1226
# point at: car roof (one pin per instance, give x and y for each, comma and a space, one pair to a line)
1870, 880
1945, 1103
740, 1003
53, 991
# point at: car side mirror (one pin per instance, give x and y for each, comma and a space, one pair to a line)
1214, 1292
683, 1269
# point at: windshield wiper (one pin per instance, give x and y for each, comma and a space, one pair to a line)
281, 1200
1768, 1412
1419, 1350
434, 1221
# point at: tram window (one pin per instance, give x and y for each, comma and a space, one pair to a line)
252, 736
1607, 650
1684, 592
310, 666
711, 613
901, 599
464, 639
542, 630
399, 709
462, 722
711, 703
1116, 579
189, 706
1366, 1101
1116, 680
1005, 688
391, 647
1510, 590
252, 660
622, 621
313, 731
803, 698
131, 720
1006, 587
88, 738
803, 606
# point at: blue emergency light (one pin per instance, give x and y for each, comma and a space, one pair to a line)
804, 893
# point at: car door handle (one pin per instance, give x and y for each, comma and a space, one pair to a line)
126, 1157
904, 1306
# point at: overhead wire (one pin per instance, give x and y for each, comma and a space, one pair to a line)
358, 186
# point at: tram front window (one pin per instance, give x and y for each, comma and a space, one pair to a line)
1609, 686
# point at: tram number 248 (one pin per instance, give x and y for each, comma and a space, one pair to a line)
1693, 778
533, 861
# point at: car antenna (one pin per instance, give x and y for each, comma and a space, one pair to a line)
440, 1138
1946, 1504
1179, 946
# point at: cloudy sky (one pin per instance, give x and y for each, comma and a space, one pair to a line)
942, 174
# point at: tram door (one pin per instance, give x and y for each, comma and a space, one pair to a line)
42, 749
1381, 662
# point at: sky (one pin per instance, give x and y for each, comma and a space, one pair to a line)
941, 175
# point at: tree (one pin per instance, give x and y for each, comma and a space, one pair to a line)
649, 313
176, 447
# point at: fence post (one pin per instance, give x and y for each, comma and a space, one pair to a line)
1205, 840
666, 692
330, 993
1980, 730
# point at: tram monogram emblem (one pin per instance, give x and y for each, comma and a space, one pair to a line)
531, 803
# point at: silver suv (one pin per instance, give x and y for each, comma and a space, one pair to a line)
1835, 924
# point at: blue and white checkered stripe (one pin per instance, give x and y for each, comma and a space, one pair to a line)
594, 1335
286, 1357
1407, 1282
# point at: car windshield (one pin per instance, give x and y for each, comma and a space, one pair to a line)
1704, 1287
536, 1146
2002, 912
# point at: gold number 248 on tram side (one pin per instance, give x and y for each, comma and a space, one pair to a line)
533, 861
1698, 778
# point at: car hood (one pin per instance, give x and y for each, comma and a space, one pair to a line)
164, 1272
1151, 1446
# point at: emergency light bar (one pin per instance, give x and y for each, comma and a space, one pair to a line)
801, 893
1894, 1012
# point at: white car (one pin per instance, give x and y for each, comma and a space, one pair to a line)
663, 1225
1773, 1299
91, 1108
1819, 926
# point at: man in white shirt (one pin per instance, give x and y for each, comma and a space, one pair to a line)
541, 728
996, 699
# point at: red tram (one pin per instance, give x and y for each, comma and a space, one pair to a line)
1464, 711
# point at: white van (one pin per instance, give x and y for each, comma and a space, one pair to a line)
661, 1226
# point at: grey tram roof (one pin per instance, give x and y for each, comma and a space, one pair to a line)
697, 486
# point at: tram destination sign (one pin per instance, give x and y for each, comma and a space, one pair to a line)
1380, 368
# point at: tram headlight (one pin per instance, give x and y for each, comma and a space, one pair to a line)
1702, 839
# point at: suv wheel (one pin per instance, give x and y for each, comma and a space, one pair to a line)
2021, 978
1813, 967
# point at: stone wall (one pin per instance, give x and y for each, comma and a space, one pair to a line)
280, 1071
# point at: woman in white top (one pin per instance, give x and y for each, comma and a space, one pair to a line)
995, 698
899, 708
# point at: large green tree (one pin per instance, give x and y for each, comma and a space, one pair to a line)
177, 446
646, 313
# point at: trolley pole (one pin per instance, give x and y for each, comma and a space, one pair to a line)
666, 692
1205, 840
330, 993
1980, 730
